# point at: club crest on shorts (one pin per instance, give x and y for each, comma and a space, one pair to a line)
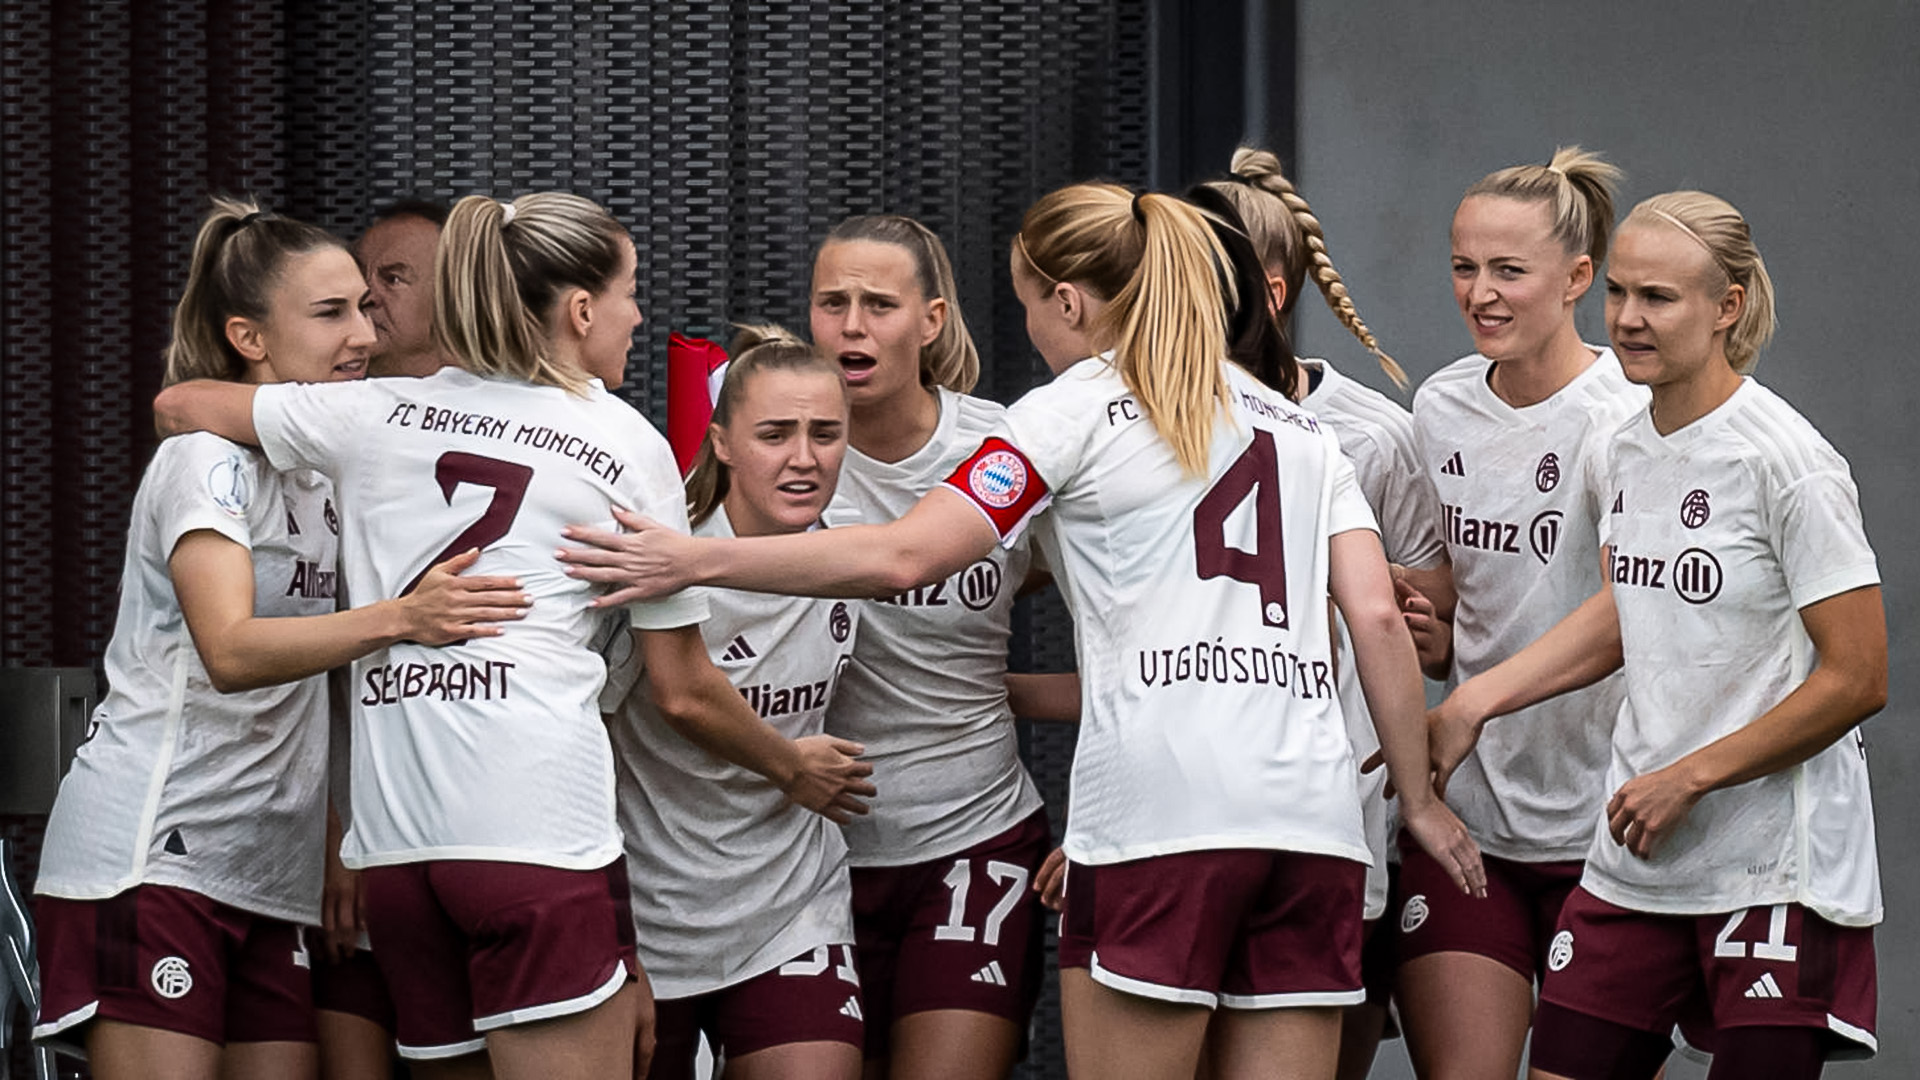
1546, 476
1414, 915
998, 479
170, 978
230, 484
1694, 510
1560, 953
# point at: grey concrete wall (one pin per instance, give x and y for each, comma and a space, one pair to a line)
1806, 117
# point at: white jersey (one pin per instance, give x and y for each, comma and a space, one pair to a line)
1520, 508
1376, 435
1208, 713
1720, 533
493, 748
179, 784
729, 879
926, 694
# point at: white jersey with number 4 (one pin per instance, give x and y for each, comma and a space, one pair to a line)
1720, 533
927, 691
1376, 435
490, 749
730, 879
1209, 717
181, 785
1519, 512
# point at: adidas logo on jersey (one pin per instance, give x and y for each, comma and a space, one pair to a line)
1765, 987
1619, 502
738, 651
1453, 467
991, 974
852, 1008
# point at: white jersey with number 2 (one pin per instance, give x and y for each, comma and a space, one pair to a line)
491, 749
1209, 714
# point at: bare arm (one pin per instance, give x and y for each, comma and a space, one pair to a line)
1390, 677
1848, 683
820, 773
1045, 697
940, 536
213, 579
224, 408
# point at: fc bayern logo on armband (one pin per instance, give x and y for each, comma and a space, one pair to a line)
998, 479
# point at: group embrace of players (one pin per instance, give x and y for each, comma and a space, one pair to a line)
633, 760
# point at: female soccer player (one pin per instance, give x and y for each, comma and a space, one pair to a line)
741, 899
1507, 436
183, 857
949, 935
1376, 434
496, 899
1733, 882
1198, 572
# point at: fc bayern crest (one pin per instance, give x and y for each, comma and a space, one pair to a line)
998, 479
839, 623
1546, 476
1694, 510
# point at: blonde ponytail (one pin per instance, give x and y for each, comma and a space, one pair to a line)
501, 267
1715, 225
756, 348
1578, 187
1163, 274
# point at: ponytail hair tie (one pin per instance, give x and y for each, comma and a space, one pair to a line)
257, 215
1139, 214
506, 213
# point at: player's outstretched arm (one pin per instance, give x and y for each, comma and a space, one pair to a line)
224, 408
213, 579
940, 536
820, 772
1848, 683
1390, 677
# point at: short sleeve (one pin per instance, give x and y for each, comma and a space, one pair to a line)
1820, 538
1409, 509
655, 492
1347, 508
314, 425
204, 482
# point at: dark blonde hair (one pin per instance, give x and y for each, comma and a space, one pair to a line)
237, 257
496, 278
1156, 262
1577, 186
950, 359
1715, 225
755, 349
1290, 241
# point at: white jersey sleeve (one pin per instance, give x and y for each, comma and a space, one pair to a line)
1723, 531
493, 748
179, 784
1200, 618
730, 879
1376, 435
1521, 524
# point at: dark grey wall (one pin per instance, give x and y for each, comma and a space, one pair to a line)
1806, 117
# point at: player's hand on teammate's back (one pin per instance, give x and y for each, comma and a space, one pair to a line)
447, 607
648, 561
832, 779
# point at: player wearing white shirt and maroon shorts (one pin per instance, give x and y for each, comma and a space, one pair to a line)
1198, 572
181, 866
741, 900
1732, 885
483, 784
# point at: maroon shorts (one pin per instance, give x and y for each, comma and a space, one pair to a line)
1779, 966
815, 997
1512, 924
959, 932
1243, 929
168, 958
353, 986
1377, 952
469, 946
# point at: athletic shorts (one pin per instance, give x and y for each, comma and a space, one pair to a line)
1778, 966
1377, 951
959, 932
1242, 929
353, 986
815, 997
467, 947
168, 958
1512, 924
